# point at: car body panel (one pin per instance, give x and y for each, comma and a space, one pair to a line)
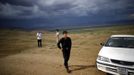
125, 54
120, 54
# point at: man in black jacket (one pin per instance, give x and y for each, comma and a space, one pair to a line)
65, 44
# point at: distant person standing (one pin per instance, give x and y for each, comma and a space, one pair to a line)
39, 39
57, 35
65, 44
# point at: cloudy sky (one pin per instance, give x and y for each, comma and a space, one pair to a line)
57, 13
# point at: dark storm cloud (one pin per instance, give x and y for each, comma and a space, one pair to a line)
31, 9
19, 2
34, 8
16, 11
130, 8
67, 11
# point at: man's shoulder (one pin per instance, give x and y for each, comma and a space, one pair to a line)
62, 39
69, 38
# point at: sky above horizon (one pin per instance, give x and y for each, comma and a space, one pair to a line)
52, 13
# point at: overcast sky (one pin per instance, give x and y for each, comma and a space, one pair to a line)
64, 12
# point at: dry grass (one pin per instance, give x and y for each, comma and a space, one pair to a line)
19, 54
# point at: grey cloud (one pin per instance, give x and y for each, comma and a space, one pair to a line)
19, 2
47, 8
84, 7
14, 11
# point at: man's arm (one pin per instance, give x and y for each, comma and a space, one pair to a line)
58, 44
37, 34
70, 42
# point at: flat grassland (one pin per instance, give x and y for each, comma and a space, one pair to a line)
19, 54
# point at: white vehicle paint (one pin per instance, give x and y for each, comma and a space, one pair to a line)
117, 55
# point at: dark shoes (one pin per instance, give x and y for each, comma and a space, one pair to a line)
68, 71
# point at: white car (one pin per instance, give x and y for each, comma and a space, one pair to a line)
117, 55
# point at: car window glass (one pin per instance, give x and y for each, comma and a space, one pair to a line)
127, 42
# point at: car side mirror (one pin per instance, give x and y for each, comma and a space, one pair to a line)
102, 44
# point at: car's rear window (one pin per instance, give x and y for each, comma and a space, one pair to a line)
126, 42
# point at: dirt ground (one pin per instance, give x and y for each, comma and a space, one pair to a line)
41, 62
47, 60
19, 54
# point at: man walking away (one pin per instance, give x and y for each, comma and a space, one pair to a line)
39, 39
65, 44
57, 35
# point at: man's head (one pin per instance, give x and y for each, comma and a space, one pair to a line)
65, 33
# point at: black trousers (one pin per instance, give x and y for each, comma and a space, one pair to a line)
39, 42
66, 56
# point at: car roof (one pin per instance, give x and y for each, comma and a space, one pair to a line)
122, 36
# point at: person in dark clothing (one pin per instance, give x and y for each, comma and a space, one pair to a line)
65, 44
